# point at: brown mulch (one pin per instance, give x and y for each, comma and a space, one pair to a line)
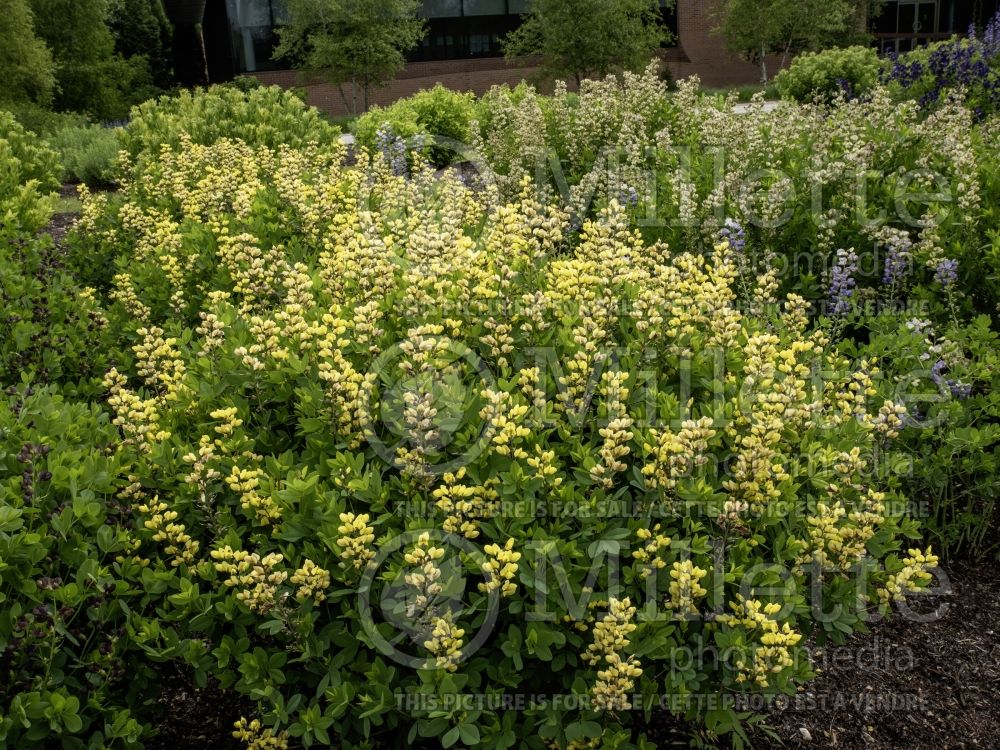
932, 685
193, 718
61, 223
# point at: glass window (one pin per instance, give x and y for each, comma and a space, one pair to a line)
926, 14
441, 8
885, 22
485, 7
254, 13
280, 10
480, 44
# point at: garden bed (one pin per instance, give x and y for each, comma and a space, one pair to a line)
918, 685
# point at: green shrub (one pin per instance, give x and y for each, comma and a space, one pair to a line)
141, 29
29, 171
42, 120
88, 154
851, 71
323, 373
26, 67
438, 112
51, 329
65, 679
268, 116
955, 462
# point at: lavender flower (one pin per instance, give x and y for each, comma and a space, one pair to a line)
937, 370
957, 388
847, 88
628, 196
842, 282
897, 261
958, 63
732, 231
946, 272
393, 149
991, 37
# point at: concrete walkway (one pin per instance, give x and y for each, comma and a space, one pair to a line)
743, 107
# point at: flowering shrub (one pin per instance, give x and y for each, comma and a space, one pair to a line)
846, 72
519, 133
439, 112
405, 457
266, 115
29, 171
385, 448
933, 74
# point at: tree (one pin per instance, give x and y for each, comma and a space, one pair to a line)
26, 66
756, 29
90, 77
141, 28
581, 38
356, 42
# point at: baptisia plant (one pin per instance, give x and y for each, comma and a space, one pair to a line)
399, 458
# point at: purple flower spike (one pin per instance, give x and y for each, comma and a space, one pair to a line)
946, 272
842, 282
732, 231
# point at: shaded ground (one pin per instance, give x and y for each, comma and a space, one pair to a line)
67, 212
915, 685
194, 718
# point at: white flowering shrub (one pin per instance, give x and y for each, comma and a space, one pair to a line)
399, 459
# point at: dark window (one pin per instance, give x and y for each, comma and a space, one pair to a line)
441, 8
458, 29
669, 12
484, 7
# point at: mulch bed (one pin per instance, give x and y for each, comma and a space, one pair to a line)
914, 685
193, 718
61, 223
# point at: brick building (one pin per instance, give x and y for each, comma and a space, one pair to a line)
461, 49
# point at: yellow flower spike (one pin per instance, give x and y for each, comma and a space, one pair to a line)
685, 587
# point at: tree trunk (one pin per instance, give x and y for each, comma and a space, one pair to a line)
763, 65
784, 55
190, 60
343, 97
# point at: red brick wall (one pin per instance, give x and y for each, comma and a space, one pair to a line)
703, 52
461, 75
700, 52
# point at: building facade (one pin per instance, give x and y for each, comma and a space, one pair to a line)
462, 47
905, 24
